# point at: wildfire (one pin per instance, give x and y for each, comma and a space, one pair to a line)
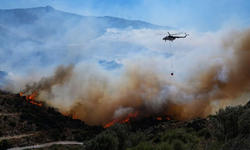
159, 118
123, 121
110, 124
74, 117
31, 98
134, 115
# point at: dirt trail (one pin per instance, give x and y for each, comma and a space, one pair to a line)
48, 144
9, 114
14, 137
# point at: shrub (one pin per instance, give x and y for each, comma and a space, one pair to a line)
215, 145
55, 134
163, 146
5, 144
205, 133
178, 145
245, 123
117, 134
26, 116
121, 131
134, 139
240, 142
63, 137
226, 123
5, 118
103, 141
12, 124
190, 140
143, 146
78, 137
180, 134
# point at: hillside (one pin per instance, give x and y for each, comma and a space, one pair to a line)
23, 123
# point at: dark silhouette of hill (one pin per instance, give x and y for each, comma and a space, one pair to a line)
35, 124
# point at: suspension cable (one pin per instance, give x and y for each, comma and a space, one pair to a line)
171, 55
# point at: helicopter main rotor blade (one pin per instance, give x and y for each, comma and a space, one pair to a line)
177, 33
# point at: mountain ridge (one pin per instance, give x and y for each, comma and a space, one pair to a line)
31, 15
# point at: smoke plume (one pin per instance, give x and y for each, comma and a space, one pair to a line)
98, 96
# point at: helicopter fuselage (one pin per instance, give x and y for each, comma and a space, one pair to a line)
170, 38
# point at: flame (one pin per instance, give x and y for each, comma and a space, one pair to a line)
159, 118
39, 104
133, 115
110, 124
74, 117
31, 98
168, 118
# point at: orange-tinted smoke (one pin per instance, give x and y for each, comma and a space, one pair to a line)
61, 75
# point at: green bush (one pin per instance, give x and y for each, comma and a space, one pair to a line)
189, 139
180, 134
178, 145
142, 146
240, 142
163, 146
205, 133
215, 145
121, 131
134, 139
103, 141
226, 123
119, 134
245, 122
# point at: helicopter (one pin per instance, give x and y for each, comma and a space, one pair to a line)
171, 37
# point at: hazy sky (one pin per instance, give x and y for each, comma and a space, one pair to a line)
201, 15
